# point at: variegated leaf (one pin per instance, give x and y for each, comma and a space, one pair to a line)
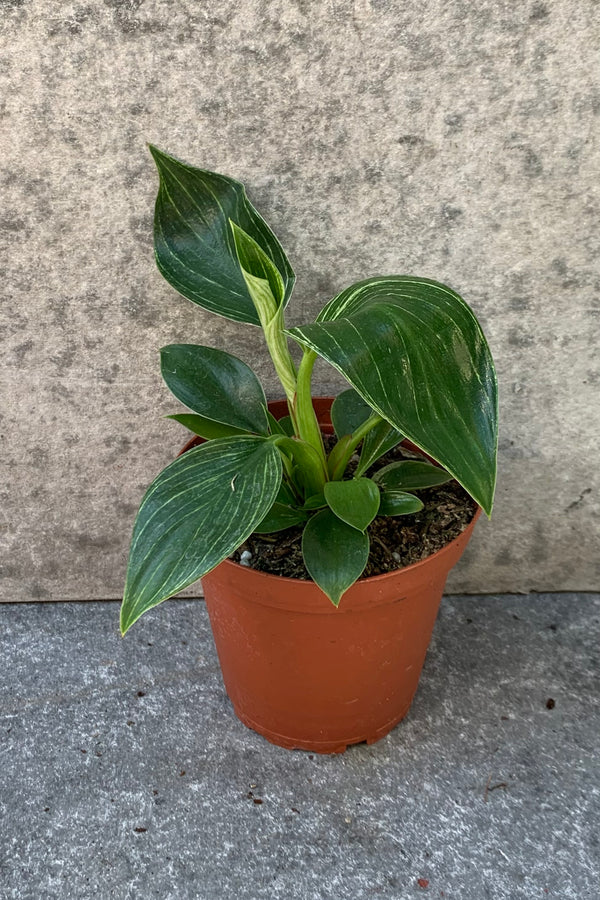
215, 385
194, 244
415, 352
195, 513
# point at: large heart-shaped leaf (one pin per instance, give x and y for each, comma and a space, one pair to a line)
193, 242
414, 350
195, 513
335, 554
355, 502
216, 385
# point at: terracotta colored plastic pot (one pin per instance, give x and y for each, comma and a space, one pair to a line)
307, 675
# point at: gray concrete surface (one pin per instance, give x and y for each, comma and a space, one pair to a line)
452, 140
125, 774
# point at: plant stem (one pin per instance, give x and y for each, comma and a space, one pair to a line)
306, 419
297, 385
309, 472
280, 354
345, 448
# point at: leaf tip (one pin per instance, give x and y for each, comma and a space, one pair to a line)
128, 615
238, 236
124, 625
155, 153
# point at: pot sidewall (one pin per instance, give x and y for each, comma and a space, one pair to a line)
305, 674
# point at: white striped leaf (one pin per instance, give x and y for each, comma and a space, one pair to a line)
216, 385
415, 352
195, 513
193, 242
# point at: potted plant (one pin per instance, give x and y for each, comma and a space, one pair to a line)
333, 659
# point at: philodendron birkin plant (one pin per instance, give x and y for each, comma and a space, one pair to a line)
418, 367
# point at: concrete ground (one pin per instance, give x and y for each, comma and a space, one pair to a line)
125, 774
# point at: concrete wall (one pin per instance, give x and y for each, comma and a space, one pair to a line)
454, 140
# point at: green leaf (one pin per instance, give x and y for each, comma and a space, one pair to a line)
274, 426
415, 352
335, 554
195, 513
215, 384
410, 475
283, 426
264, 283
206, 428
377, 442
309, 473
339, 457
317, 501
355, 502
348, 412
397, 503
193, 242
285, 495
280, 517
287, 426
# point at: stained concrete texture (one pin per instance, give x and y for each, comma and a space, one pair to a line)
451, 140
126, 775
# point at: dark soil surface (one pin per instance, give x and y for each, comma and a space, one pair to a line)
396, 541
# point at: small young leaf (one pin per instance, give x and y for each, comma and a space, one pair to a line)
280, 517
286, 495
377, 442
335, 554
338, 457
283, 426
308, 472
317, 501
205, 428
274, 426
355, 502
287, 426
348, 412
399, 503
216, 385
263, 280
411, 475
